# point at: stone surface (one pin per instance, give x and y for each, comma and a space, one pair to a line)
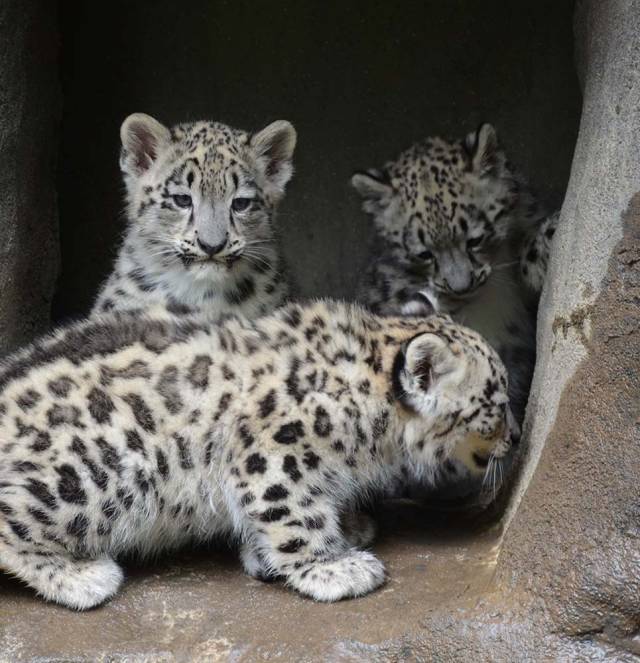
360, 80
29, 117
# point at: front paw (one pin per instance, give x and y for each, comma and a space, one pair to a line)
355, 574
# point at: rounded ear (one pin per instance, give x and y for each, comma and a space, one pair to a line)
428, 358
142, 139
273, 147
421, 304
371, 185
482, 148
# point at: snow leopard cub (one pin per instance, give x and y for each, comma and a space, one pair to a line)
127, 433
453, 218
200, 204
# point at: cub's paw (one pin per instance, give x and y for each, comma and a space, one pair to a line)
355, 574
84, 584
359, 529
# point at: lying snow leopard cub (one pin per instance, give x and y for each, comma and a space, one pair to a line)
454, 217
131, 434
200, 203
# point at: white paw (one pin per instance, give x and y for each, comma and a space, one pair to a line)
85, 584
356, 574
359, 529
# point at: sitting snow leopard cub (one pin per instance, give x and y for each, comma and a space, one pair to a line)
453, 217
200, 202
126, 433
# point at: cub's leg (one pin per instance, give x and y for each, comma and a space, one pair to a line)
76, 583
301, 541
359, 530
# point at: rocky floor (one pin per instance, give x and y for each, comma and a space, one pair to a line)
200, 606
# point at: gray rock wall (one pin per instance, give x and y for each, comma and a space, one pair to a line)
29, 118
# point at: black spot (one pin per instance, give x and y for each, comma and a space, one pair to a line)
5, 509
311, 460
290, 467
135, 443
338, 446
25, 466
184, 453
61, 386
110, 456
198, 372
100, 406
141, 412
246, 436
142, 481
20, 530
268, 404
41, 443
78, 526
274, 513
532, 254
247, 498
292, 546
163, 466
69, 485
41, 516
110, 510
256, 464
41, 492
289, 433
292, 316
315, 522
244, 289
28, 399
322, 424
64, 414
275, 493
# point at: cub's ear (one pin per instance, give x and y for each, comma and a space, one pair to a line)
273, 147
421, 304
428, 359
482, 149
142, 138
371, 184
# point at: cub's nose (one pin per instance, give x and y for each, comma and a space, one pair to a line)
211, 250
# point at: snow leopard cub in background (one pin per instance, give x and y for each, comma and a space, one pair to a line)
126, 433
200, 204
456, 221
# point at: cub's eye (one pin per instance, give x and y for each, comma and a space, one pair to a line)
474, 243
426, 255
182, 200
240, 204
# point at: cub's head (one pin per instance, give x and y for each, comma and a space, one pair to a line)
444, 208
453, 387
201, 195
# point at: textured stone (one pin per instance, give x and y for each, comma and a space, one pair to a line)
30, 103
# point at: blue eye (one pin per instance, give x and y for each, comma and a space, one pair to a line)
240, 204
182, 200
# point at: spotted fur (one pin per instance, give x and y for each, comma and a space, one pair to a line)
535, 254
453, 217
133, 434
201, 198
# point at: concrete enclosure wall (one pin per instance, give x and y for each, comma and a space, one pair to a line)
29, 119
360, 80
